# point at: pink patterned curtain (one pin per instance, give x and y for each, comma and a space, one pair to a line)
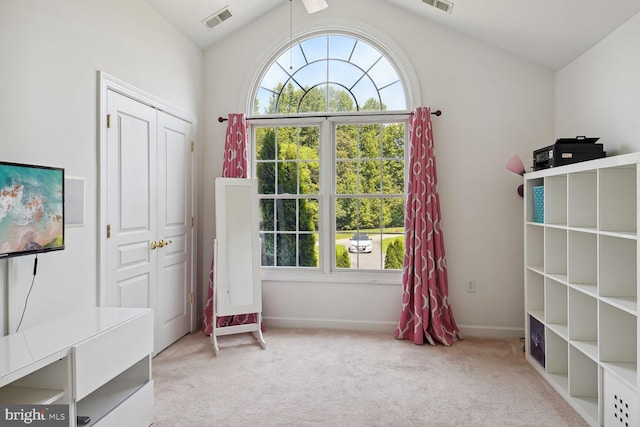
425, 302
234, 166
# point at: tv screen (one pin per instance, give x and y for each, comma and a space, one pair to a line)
31, 209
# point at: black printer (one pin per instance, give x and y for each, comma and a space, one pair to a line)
566, 151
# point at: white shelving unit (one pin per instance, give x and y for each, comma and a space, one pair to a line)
581, 284
96, 361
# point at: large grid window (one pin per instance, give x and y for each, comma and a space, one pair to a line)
330, 156
288, 169
369, 195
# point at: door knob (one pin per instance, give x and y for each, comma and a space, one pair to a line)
160, 244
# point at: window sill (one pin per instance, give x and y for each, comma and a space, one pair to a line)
348, 277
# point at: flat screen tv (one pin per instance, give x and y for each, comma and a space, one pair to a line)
31, 209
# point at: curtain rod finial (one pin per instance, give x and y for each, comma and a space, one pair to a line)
221, 119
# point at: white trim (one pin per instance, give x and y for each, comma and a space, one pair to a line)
495, 332
315, 275
107, 82
327, 272
336, 324
498, 332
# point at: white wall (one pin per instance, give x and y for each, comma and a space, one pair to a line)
494, 104
51, 52
598, 94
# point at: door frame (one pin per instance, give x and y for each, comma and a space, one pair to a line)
107, 82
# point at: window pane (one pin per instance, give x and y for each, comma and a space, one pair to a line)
308, 215
393, 97
315, 48
310, 178
393, 247
309, 140
264, 98
292, 59
383, 73
341, 47
393, 141
346, 142
393, 215
286, 214
369, 141
286, 250
266, 173
364, 56
274, 77
346, 210
265, 141
366, 95
268, 249
288, 178
308, 250
369, 177
312, 75
392, 177
315, 99
344, 72
288, 98
266, 213
346, 174
341, 100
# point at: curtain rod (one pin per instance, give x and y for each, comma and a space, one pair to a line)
221, 119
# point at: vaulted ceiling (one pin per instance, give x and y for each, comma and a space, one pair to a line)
549, 32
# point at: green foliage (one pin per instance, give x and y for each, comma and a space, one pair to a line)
395, 254
342, 257
288, 164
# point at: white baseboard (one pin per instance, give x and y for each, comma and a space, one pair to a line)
499, 332
344, 325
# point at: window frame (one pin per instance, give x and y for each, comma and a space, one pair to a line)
327, 272
395, 55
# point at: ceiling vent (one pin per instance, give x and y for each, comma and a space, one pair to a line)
443, 5
217, 18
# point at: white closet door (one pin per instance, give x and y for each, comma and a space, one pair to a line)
175, 203
149, 198
131, 199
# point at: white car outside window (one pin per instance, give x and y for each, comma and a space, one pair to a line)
360, 243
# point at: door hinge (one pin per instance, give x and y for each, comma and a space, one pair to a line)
193, 145
193, 221
108, 231
108, 121
192, 298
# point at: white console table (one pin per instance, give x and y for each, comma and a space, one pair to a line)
97, 361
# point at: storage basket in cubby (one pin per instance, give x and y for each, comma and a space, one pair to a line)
538, 204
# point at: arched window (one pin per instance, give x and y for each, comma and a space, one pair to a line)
328, 127
330, 73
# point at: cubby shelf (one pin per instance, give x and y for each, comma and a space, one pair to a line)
581, 284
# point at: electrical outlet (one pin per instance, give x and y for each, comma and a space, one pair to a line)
470, 285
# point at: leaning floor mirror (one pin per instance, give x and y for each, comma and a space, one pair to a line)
237, 284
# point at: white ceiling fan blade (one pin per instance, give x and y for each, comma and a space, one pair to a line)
314, 6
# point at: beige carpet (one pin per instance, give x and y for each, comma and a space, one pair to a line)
333, 378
